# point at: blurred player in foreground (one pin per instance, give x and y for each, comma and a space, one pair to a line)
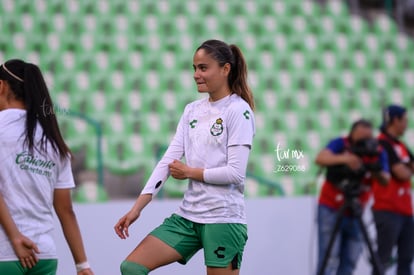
35, 177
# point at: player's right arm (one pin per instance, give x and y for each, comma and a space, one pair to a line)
157, 179
121, 227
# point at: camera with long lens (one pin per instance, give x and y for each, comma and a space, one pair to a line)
349, 180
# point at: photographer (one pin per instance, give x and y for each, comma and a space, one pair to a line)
352, 162
392, 209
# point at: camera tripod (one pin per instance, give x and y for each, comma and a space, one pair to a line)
353, 205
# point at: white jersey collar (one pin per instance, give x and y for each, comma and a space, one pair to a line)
10, 115
219, 102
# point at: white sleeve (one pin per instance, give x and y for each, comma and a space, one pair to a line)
65, 175
241, 126
161, 172
234, 172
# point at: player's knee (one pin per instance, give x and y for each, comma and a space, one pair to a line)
131, 268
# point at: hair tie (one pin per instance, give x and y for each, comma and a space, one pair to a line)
12, 74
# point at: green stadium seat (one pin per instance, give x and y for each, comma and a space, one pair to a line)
125, 155
327, 25
75, 131
354, 26
174, 188
408, 80
310, 9
128, 65
329, 61
384, 25
337, 9
253, 188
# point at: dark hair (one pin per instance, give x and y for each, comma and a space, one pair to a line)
224, 53
391, 113
27, 84
360, 122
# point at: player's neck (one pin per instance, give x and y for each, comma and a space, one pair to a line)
219, 95
13, 104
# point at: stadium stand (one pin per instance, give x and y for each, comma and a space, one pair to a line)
128, 66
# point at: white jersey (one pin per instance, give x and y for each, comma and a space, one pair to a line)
27, 182
204, 133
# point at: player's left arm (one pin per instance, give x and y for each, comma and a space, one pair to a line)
233, 173
62, 203
241, 129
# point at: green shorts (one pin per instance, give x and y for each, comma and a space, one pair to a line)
43, 267
223, 243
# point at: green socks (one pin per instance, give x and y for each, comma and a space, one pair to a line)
131, 268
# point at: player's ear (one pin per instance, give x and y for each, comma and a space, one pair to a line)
226, 69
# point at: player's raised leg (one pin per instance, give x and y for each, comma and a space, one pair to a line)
150, 254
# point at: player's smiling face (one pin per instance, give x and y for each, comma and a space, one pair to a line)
209, 76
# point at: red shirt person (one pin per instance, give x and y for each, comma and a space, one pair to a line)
392, 209
344, 169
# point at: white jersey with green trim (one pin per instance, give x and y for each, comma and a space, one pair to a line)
205, 132
27, 182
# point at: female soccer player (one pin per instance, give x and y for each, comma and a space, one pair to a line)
35, 177
214, 135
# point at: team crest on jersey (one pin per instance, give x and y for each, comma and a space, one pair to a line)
217, 128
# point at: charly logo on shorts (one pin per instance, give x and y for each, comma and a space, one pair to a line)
217, 128
218, 252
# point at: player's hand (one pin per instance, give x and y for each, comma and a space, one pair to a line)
121, 227
86, 271
178, 170
353, 161
25, 250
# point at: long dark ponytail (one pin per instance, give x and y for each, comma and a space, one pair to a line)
224, 53
28, 85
